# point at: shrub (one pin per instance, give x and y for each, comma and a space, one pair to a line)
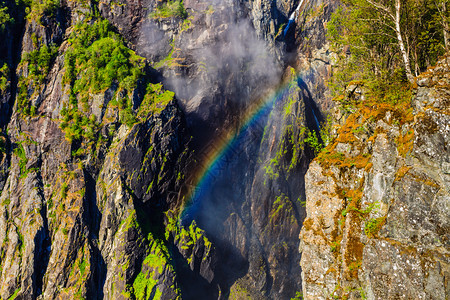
64, 190
4, 77
5, 18
39, 62
170, 9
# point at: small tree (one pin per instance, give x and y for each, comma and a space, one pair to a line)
387, 40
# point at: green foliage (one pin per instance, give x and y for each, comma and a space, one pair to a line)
335, 246
155, 99
318, 141
373, 226
367, 45
169, 9
271, 169
64, 189
38, 62
82, 266
4, 77
143, 286
126, 113
19, 151
42, 7
13, 296
298, 296
5, 18
153, 266
313, 141
98, 58
2, 145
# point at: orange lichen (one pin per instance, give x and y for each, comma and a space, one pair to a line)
401, 172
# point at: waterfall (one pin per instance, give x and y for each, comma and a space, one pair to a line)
292, 17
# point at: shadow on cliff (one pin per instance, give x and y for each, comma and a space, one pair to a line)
92, 217
226, 216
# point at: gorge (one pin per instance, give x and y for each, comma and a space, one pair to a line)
223, 150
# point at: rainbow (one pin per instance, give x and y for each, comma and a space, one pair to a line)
223, 148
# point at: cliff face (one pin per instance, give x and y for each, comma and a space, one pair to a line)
377, 200
108, 109
94, 149
85, 165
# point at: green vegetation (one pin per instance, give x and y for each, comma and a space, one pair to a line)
19, 151
169, 9
155, 100
145, 282
98, 59
38, 63
4, 77
189, 237
298, 296
2, 144
385, 43
42, 7
318, 141
64, 189
82, 266
373, 226
172, 60
5, 17
157, 261
13, 296
313, 141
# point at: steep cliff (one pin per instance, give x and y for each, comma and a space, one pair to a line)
90, 151
110, 109
95, 151
377, 198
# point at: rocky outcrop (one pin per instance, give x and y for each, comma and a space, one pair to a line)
88, 166
377, 199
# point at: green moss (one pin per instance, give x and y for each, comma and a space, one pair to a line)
38, 8
144, 285
129, 222
82, 266
13, 296
287, 109
64, 189
169, 9
157, 259
298, 296
19, 151
373, 226
5, 17
155, 100
271, 169
4, 75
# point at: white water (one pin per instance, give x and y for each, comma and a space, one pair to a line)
293, 15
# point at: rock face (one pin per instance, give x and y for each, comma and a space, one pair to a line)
377, 200
96, 154
94, 150
83, 168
